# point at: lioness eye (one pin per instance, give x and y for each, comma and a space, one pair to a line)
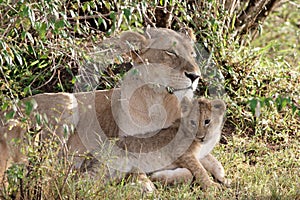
207, 122
171, 53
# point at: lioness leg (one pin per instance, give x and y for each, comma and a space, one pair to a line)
171, 177
141, 177
3, 158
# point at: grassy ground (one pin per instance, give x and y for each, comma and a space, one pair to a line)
261, 155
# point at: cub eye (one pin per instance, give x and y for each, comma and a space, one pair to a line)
171, 53
206, 122
193, 123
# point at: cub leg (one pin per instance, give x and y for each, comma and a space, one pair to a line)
211, 164
198, 171
179, 175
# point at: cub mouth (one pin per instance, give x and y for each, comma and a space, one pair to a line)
200, 139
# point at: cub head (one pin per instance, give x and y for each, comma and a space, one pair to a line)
202, 117
171, 50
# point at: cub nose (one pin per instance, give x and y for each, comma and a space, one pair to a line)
191, 76
201, 139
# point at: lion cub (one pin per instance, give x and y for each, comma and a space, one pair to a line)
182, 142
201, 152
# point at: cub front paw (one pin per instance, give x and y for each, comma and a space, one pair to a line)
210, 185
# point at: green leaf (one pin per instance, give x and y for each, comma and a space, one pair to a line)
10, 115
66, 130
8, 59
4, 106
26, 90
102, 21
86, 7
74, 79
266, 101
43, 30
59, 25
107, 5
127, 14
281, 102
294, 108
31, 50
38, 119
112, 16
28, 107
253, 104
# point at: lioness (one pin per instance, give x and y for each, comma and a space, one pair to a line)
167, 56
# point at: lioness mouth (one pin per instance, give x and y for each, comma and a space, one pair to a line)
171, 90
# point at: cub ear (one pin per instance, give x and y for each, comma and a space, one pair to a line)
218, 106
186, 106
133, 40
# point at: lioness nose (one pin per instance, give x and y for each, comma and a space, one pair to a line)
191, 76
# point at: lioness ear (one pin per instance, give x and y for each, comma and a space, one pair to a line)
188, 32
186, 106
133, 41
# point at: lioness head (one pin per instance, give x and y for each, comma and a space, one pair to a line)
173, 51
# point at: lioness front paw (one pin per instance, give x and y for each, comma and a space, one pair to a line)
226, 182
147, 186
